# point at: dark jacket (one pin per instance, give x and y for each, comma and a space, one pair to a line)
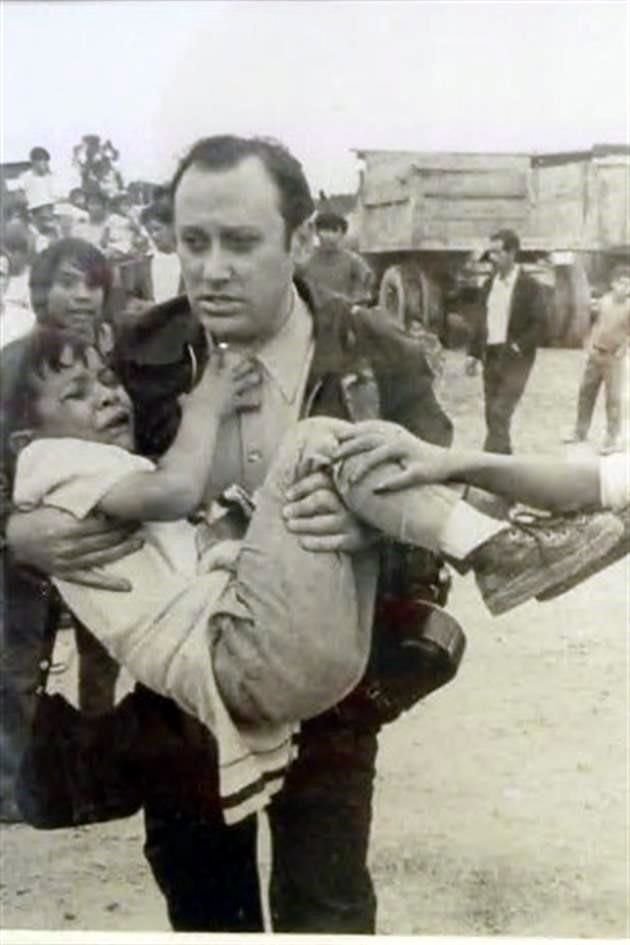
157, 360
526, 322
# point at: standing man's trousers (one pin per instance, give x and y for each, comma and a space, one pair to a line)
505, 375
607, 369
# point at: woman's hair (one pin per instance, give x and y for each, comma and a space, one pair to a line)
86, 257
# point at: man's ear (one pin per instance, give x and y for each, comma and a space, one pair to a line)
302, 243
19, 439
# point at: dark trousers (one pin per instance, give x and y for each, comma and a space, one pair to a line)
98, 673
505, 375
606, 369
320, 826
26, 641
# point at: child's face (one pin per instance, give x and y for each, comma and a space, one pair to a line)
73, 303
84, 400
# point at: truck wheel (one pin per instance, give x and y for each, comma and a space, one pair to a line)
410, 295
393, 294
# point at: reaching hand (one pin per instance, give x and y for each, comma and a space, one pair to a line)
376, 443
226, 385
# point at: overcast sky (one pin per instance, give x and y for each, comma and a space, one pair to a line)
325, 77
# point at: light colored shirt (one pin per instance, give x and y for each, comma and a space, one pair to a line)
247, 441
614, 473
17, 291
158, 630
499, 302
90, 232
15, 321
612, 329
338, 272
39, 190
165, 275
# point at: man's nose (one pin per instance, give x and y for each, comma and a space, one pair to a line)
217, 266
80, 289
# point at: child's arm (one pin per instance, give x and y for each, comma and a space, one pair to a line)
176, 487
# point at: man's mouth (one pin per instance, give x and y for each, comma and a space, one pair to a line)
219, 304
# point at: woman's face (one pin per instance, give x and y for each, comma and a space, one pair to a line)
73, 302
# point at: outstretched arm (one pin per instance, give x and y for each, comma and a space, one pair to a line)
545, 483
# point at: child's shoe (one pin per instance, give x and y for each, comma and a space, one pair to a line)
525, 560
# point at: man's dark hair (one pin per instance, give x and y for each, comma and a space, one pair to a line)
223, 152
39, 154
160, 210
328, 220
509, 240
86, 257
76, 192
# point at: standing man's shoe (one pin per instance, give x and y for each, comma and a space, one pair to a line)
573, 437
610, 446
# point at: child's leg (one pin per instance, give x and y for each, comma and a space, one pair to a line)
512, 563
308, 639
429, 516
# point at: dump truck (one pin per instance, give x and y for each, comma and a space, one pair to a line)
423, 220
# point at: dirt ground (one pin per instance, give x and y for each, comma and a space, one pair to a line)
501, 801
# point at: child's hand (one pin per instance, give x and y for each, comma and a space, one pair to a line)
378, 442
227, 386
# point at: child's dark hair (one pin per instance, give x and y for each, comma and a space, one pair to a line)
84, 256
45, 350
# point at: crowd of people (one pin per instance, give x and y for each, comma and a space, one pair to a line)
137, 239
197, 453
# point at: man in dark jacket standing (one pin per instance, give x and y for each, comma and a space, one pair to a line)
506, 338
241, 215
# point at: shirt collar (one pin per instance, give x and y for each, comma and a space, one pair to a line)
510, 279
283, 356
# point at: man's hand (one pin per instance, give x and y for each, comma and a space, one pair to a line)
55, 543
317, 514
376, 442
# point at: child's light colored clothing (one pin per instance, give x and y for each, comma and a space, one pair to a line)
159, 630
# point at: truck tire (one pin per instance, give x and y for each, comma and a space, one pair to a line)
410, 295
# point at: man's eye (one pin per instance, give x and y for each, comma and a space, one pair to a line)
242, 243
194, 243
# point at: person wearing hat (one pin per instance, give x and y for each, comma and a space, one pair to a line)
332, 270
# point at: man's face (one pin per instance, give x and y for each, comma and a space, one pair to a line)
40, 166
330, 239
74, 303
501, 258
232, 245
44, 219
162, 235
84, 400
